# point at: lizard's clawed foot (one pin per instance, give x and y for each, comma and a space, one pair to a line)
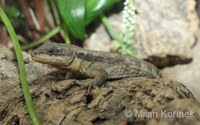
89, 89
90, 86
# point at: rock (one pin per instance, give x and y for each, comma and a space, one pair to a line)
178, 112
7, 69
7, 66
6, 53
188, 74
99, 40
61, 101
198, 7
165, 29
106, 105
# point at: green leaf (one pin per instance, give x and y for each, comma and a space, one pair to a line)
96, 7
12, 10
76, 14
73, 16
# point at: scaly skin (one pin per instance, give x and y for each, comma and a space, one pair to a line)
95, 64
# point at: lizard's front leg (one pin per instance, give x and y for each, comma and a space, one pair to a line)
99, 76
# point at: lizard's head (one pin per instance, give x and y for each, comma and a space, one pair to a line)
55, 54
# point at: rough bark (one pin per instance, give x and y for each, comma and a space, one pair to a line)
61, 101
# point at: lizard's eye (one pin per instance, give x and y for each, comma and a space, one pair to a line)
54, 52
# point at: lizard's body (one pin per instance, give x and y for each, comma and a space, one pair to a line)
96, 64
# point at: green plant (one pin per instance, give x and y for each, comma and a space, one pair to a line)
43, 39
128, 26
22, 72
77, 14
124, 42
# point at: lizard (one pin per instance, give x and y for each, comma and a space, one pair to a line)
98, 65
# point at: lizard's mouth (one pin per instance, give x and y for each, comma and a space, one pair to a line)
42, 60
52, 60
